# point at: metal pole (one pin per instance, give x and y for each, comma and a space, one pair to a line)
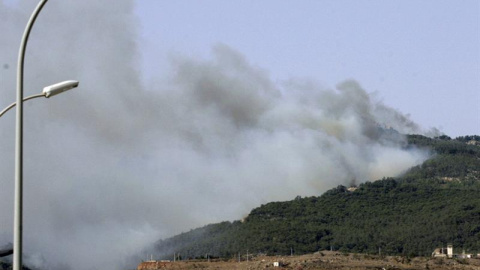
18, 210
13, 104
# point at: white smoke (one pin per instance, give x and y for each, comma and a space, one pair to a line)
111, 167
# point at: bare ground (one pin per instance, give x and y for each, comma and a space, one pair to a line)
332, 260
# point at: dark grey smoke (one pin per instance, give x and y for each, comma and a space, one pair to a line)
113, 166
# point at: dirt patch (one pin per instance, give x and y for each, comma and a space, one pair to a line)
331, 260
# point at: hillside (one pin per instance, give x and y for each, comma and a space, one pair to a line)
429, 206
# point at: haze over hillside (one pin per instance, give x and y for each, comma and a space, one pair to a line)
432, 205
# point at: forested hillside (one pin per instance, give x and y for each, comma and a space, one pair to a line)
429, 206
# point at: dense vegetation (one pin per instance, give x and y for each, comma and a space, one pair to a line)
431, 205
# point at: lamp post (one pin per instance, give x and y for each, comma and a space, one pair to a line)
53, 90
47, 92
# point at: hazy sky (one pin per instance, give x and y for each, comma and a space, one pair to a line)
421, 57
194, 112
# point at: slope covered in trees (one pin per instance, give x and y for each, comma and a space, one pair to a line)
429, 206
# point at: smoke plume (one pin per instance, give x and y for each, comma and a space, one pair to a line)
114, 165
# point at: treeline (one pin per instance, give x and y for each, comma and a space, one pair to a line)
454, 161
431, 205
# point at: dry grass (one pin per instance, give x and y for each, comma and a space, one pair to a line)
332, 260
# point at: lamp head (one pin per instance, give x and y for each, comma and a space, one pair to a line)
58, 88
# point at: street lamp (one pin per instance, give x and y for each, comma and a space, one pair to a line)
48, 91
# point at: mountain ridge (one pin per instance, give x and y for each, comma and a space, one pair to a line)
432, 204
